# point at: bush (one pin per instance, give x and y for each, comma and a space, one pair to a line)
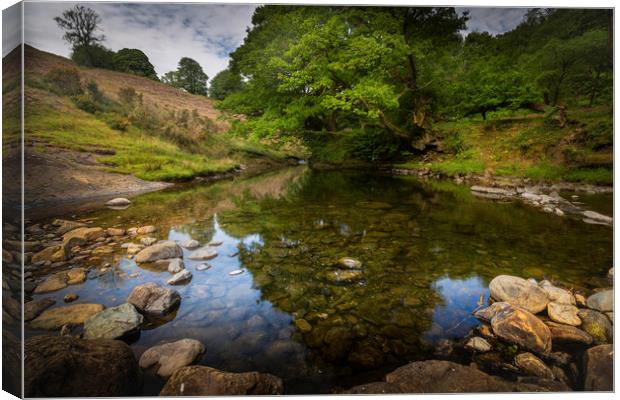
128, 95
65, 81
95, 56
85, 102
135, 62
93, 90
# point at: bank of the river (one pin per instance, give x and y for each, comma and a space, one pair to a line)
278, 284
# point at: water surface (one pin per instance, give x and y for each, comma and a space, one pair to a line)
428, 251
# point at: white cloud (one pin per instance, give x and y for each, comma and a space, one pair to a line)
11, 28
493, 20
164, 32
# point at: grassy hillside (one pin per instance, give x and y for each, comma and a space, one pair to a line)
164, 134
527, 146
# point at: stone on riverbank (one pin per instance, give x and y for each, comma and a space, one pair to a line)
518, 292
563, 313
601, 301
532, 365
351, 263
145, 230
113, 323
147, 241
598, 365
189, 244
206, 381
118, 202
344, 276
597, 325
65, 226
204, 253
175, 265
159, 251
84, 234
52, 253
34, 308
478, 344
172, 356
556, 294
74, 314
70, 367
517, 325
115, 232
592, 215
568, 334
153, 299
180, 277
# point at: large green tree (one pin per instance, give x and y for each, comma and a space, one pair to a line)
188, 76
80, 25
224, 83
134, 61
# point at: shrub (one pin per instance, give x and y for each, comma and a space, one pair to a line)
85, 102
135, 62
93, 90
95, 56
65, 81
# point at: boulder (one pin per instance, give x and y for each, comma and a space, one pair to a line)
303, 325
563, 313
84, 234
374, 388
189, 244
70, 297
175, 265
532, 365
75, 314
34, 308
601, 301
204, 253
147, 241
65, 226
556, 294
518, 292
115, 231
52, 253
180, 277
52, 283
153, 299
344, 276
206, 381
113, 323
592, 215
159, 251
118, 202
170, 357
348, 262
597, 325
568, 334
69, 367
517, 325
75, 276
145, 230
478, 344
598, 366
134, 248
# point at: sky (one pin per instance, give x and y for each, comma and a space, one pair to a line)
168, 32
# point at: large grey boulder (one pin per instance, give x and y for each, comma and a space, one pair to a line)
598, 366
517, 325
597, 325
518, 292
206, 381
63, 366
153, 299
113, 323
203, 253
170, 357
601, 301
563, 313
556, 294
159, 251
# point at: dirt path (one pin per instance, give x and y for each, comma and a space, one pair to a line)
57, 178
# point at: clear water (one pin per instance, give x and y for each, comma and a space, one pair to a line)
428, 252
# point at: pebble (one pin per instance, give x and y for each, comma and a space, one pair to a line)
203, 267
236, 272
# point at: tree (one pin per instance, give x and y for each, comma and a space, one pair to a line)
95, 55
80, 24
189, 76
134, 61
224, 83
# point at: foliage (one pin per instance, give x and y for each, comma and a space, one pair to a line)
224, 83
94, 55
65, 81
135, 62
188, 76
80, 25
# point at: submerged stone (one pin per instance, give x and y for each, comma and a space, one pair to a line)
113, 323
172, 356
518, 292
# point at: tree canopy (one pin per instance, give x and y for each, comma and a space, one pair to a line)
134, 61
80, 25
189, 76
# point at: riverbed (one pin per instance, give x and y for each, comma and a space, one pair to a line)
427, 250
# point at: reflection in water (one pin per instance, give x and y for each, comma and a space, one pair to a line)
427, 253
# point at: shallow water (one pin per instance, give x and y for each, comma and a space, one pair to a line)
428, 251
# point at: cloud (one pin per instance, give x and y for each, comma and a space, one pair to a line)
11, 34
164, 32
493, 20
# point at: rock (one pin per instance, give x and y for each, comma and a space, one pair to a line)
518, 292
532, 365
145, 230
70, 297
189, 244
478, 344
75, 276
113, 323
598, 217
115, 232
204, 253
302, 325
374, 388
203, 267
206, 381
491, 192
434, 376
517, 325
132, 231
610, 273
215, 243
556, 294
597, 325
598, 365
65, 226
610, 315
134, 248
70, 367
601, 301
153, 299
344, 276
118, 202
7, 257
34, 308
147, 241
568, 334
180, 277
563, 313
74, 314
84, 234
172, 356
175, 265
52, 283
236, 272
580, 300
52, 253
348, 262
159, 251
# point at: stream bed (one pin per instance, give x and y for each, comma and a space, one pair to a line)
427, 250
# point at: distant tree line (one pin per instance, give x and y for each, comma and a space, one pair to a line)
81, 25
